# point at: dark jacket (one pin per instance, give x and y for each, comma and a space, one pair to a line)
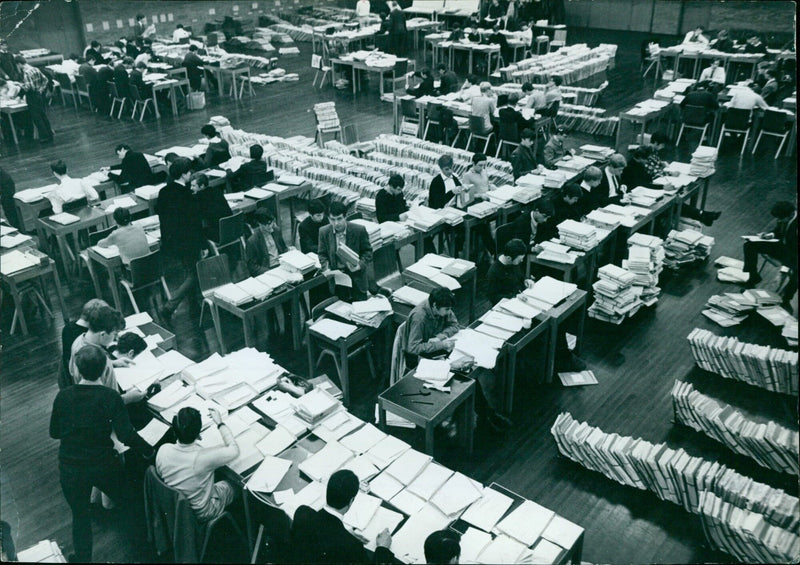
318, 536
522, 230
388, 207
355, 238
635, 174
134, 170
438, 197
216, 153
523, 161
194, 69
212, 206
512, 115
448, 82
564, 211
122, 81
504, 281
702, 98
250, 174
257, 254
396, 22
425, 88
137, 80
604, 189
181, 225
308, 232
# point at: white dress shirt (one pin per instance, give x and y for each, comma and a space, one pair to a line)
713, 74
693, 37
70, 190
613, 185
745, 99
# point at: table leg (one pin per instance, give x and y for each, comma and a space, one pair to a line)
511, 375
13, 129
472, 299
246, 321
579, 328
469, 410
551, 351
155, 104
63, 251
310, 350
18, 309
381, 417
59, 292
98, 292
112, 280
247, 521
429, 429
467, 240
218, 328
218, 71
174, 99
344, 375
296, 329
353, 68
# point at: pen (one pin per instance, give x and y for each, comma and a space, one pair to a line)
422, 402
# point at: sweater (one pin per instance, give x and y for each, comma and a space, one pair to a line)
131, 241
504, 281
388, 207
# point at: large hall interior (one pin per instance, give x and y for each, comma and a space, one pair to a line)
477, 281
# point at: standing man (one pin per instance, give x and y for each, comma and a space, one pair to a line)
308, 230
396, 24
345, 246
134, 170
181, 231
780, 242
444, 185
35, 84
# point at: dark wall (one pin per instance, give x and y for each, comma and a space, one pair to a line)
678, 16
53, 25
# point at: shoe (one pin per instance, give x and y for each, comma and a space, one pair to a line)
754, 279
708, 218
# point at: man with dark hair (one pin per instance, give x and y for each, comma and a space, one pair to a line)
444, 185
535, 98
319, 536
523, 160
122, 79
83, 418
134, 170
701, 96
265, 245
130, 345
537, 226
696, 36
345, 246
35, 83
556, 148
390, 204
591, 197
252, 173
779, 242
69, 190
94, 51
308, 230
194, 67
211, 204
130, 239
181, 231
448, 80
189, 468
443, 546
504, 275
425, 88
565, 203
218, 150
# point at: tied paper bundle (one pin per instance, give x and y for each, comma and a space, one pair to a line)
615, 296
645, 261
728, 309
579, 235
686, 246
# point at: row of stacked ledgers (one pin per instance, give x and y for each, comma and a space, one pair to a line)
646, 261
676, 476
759, 365
772, 445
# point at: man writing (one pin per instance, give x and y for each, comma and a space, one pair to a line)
69, 190
523, 160
265, 245
134, 170
344, 246
780, 242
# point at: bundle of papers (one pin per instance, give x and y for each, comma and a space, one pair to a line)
548, 292
703, 161
482, 348
727, 309
761, 297
758, 365
643, 196
645, 261
15, 261
770, 444
432, 275
315, 406
371, 312
409, 295
482, 209
596, 152
232, 294
149, 191
686, 246
423, 218
603, 219
65, 218
333, 329
296, 261
578, 379
9, 240
789, 332
615, 297
554, 179
373, 232
579, 235
326, 461
574, 164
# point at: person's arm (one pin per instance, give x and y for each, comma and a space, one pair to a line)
322, 250
364, 248
90, 192
254, 264
215, 457
451, 328
121, 424
56, 202
56, 417
550, 156
307, 243
108, 241
417, 344
761, 103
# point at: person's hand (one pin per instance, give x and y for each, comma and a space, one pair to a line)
134, 395
767, 235
122, 362
572, 152
529, 283
215, 416
623, 188
536, 249
462, 364
449, 344
384, 539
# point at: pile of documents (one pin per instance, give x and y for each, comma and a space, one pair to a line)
547, 293
15, 261
789, 332
728, 309
440, 270
703, 161
10, 237
391, 231
508, 193
603, 219
643, 196
451, 216
46, 551
373, 232
596, 152
149, 191
366, 206
731, 270
575, 164
482, 209
758, 365
298, 262
409, 295
615, 297
423, 218
315, 406
333, 329
370, 312
579, 235
557, 253
763, 298
686, 246
479, 346
676, 476
770, 444
646, 261
554, 179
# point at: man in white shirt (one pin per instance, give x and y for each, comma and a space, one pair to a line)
714, 73
180, 33
696, 36
362, 9
745, 98
68, 189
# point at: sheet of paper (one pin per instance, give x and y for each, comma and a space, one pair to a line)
433, 370
526, 523
406, 467
472, 543
135, 320
502, 549
154, 431
269, 474
384, 519
486, 512
362, 439
326, 461
275, 441
458, 492
387, 450
385, 486
429, 481
362, 510
408, 542
562, 532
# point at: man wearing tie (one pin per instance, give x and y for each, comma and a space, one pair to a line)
345, 246
715, 75
609, 185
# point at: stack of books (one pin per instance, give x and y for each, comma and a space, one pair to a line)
596, 152
770, 444
556, 253
615, 297
579, 235
326, 115
451, 216
758, 365
482, 209
763, 298
366, 206
554, 179
789, 332
423, 218
315, 406
547, 293
646, 261
296, 261
373, 232
233, 294
686, 246
409, 295
727, 309
703, 161
643, 196
731, 270
391, 231
603, 219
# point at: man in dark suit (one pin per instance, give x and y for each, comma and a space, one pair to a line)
592, 197
523, 160
565, 203
535, 226
101, 89
121, 78
194, 67
308, 230
134, 170
218, 150
265, 245
253, 173
443, 185
396, 26
703, 97
319, 536
336, 242
610, 186
635, 172
448, 80
181, 231
7, 190
780, 242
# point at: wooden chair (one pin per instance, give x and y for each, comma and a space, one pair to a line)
398, 74
409, 122
65, 86
507, 134
82, 90
116, 99
559, 39
776, 124
146, 272
450, 122
139, 103
737, 120
316, 64
694, 117
212, 272
434, 117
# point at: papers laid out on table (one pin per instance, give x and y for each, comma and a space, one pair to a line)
526, 523
154, 431
326, 461
480, 347
12, 239
333, 329
34, 194
363, 439
486, 512
269, 474
549, 292
407, 542
15, 261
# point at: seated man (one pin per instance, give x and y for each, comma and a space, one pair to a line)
253, 173
442, 546
745, 98
536, 226
507, 110
448, 80
189, 468
592, 197
134, 170
429, 331
565, 203
781, 244
319, 536
714, 74
217, 152
130, 239
425, 87
523, 160
555, 149
390, 204
265, 245
308, 230
534, 98
68, 190
344, 246
609, 186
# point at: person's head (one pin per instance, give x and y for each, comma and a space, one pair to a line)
441, 68
699, 29
256, 152
193, 48
640, 153
130, 345
337, 215
479, 162
91, 307
140, 18
782, 210
170, 158
502, 100
59, 168
141, 65
264, 220
200, 182
441, 301
513, 98
209, 131
122, 216
526, 137
187, 424
179, 26
95, 44
527, 88
91, 362
659, 140
754, 40
127, 62
592, 176
616, 164
486, 88
514, 250
104, 324
445, 163
317, 211
341, 490
122, 149
425, 73
91, 58
557, 80
715, 63
571, 193
443, 546
542, 210
473, 79
558, 134
180, 169
396, 183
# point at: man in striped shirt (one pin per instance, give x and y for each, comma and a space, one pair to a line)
35, 85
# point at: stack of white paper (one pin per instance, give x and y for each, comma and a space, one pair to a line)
363, 439
409, 295
526, 523
269, 474
486, 512
406, 467
326, 461
333, 329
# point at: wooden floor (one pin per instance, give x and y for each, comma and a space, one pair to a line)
635, 364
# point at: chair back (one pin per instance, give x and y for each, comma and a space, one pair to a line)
231, 228
350, 134
100, 234
212, 272
171, 523
112, 87
397, 368
694, 116
508, 130
319, 309
400, 67
775, 121
316, 61
560, 35
134, 92
81, 84
737, 119
503, 235
63, 81
435, 112
552, 110
146, 270
477, 126
446, 118
212, 40
409, 108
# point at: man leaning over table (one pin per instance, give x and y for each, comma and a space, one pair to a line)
336, 241
68, 190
